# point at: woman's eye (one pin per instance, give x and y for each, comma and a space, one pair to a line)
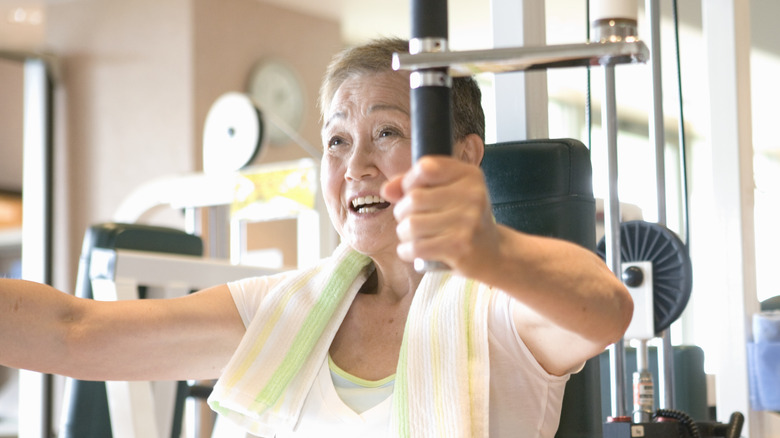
335, 141
387, 132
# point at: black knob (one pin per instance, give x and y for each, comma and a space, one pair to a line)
633, 276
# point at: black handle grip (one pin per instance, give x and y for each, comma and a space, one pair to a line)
431, 99
431, 121
429, 19
431, 92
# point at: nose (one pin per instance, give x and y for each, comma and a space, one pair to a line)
360, 163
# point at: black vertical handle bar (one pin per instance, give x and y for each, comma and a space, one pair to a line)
431, 89
431, 92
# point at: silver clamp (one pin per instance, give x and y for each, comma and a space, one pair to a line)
427, 45
614, 30
430, 78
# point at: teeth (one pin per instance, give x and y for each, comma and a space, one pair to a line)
365, 200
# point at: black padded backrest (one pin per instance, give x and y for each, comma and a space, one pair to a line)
545, 187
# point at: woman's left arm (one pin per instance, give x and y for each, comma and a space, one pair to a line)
571, 306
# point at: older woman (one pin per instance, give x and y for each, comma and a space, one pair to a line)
362, 344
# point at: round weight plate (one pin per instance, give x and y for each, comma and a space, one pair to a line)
642, 241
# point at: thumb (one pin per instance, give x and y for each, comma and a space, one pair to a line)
392, 190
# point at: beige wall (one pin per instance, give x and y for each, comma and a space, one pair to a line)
135, 81
233, 35
123, 107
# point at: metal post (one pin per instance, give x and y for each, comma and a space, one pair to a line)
656, 133
218, 229
657, 138
666, 372
35, 394
612, 233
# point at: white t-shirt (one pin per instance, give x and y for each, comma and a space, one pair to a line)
525, 400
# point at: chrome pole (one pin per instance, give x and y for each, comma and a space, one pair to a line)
657, 137
612, 233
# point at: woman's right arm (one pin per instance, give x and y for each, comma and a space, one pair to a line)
190, 337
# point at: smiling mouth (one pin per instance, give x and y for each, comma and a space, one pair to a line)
369, 204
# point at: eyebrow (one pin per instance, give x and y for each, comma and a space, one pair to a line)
338, 115
387, 107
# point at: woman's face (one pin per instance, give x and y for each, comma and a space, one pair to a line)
366, 139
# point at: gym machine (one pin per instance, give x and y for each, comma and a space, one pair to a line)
650, 259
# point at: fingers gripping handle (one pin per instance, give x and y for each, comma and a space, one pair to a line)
431, 92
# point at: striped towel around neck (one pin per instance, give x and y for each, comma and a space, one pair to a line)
442, 380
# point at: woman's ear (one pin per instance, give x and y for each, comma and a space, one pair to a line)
470, 149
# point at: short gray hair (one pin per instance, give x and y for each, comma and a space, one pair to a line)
376, 57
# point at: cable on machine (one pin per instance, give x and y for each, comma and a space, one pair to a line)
681, 127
